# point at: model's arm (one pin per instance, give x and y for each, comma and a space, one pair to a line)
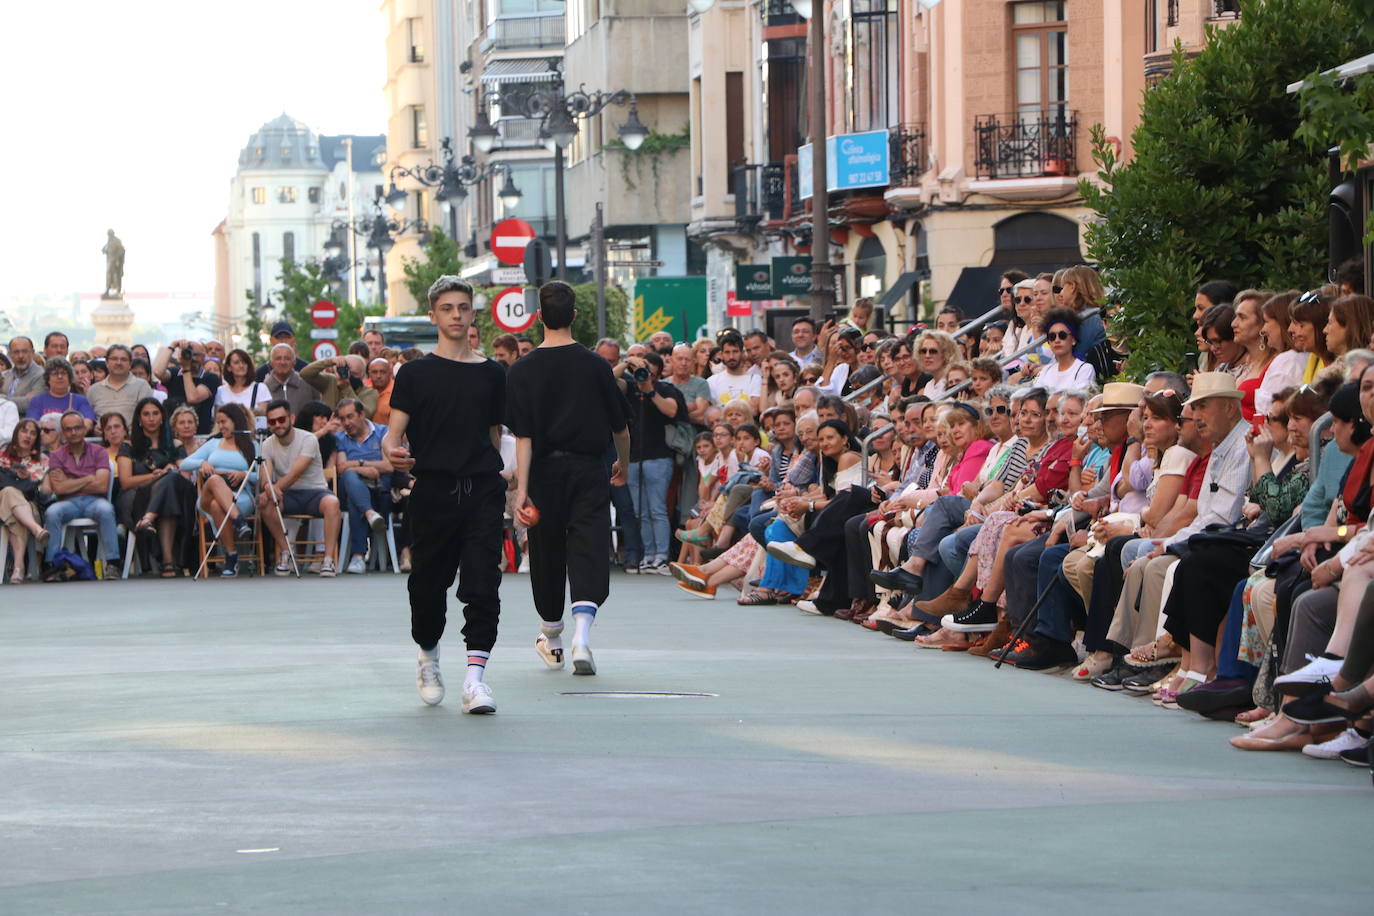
524, 452
397, 455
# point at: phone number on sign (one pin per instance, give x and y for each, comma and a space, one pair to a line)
854, 178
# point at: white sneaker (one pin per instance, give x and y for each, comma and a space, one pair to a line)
283, 563
477, 699
356, 566
660, 569
1331, 750
429, 681
582, 660
328, 570
550, 651
790, 553
808, 607
1317, 672
375, 520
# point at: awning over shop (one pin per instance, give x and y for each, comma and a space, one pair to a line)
524, 70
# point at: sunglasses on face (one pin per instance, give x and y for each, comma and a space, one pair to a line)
1004, 290
998, 410
925, 352
1058, 335
278, 421
1057, 289
1025, 300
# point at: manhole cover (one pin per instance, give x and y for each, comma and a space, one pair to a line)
632, 694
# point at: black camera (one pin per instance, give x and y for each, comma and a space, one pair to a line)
187, 354
640, 374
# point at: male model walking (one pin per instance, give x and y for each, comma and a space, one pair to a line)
448, 405
562, 403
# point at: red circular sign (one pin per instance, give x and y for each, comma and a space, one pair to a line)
508, 240
324, 314
509, 312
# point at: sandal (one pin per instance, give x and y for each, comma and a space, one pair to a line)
1092, 666
694, 538
759, 597
1162, 651
169, 570
942, 638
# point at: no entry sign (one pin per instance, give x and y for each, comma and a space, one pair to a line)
509, 312
508, 240
324, 314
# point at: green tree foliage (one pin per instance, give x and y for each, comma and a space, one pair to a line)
301, 285
1223, 183
441, 256
253, 329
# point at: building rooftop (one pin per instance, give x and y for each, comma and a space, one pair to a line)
286, 143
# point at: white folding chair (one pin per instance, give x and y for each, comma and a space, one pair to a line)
85, 527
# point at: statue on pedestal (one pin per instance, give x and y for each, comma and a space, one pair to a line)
114, 267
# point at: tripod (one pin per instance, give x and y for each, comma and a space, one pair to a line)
256, 462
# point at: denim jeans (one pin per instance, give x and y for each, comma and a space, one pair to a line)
954, 548
648, 484
360, 498
83, 505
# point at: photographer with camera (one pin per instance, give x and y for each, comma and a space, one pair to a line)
339, 377
654, 406
187, 382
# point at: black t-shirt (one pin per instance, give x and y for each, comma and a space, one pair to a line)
452, 407
267, 367
176, 396
565, 399
647, 422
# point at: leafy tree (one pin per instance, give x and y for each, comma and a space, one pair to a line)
253, 329
301, 285
441, 256
1223, 184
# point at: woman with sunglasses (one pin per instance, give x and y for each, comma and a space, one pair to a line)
1307, 322
1080, 289
936, 351
1066, 371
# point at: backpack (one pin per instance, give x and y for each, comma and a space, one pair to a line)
68, 567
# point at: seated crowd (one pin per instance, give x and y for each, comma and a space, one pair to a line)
192, 458
997, 491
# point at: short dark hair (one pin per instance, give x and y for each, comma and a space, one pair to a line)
505, 342
653, 359
358, 348
951, 310
557, 305
805, 320
349, 402
1351, 273
756, 333
273, 404
113, 347
51, 334
750, 429
448, 283
1219, 292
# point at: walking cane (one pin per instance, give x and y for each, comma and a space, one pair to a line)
1025, 622
281, 520
206, 559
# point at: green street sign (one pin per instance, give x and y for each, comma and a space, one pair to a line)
753, 281
792, 276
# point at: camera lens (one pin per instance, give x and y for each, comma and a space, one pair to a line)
639, 374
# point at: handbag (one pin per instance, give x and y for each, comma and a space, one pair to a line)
27, 487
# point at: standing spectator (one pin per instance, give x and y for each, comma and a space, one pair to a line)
282, 334
562, 407
23, 467
80, 479
240, 387
379, 378
339, 377
187, 382
364, 477
215, 349
736, 381
756, 347
81, 373
654, 406
284, 382
375, 341
696, 393
143, 369
55, 345
59, 397
661, 342
120, 390
505, 349
294, 484
221, 464
525, 345
9, 418
948, 320
448, 406
608, 348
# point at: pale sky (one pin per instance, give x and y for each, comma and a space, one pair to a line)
131, 116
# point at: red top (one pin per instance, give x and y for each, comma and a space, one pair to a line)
1192, 480
1248, 389
1053, 470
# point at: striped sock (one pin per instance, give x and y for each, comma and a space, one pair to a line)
583, 613
477, 666
552, 629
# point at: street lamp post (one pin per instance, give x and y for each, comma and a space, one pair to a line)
558, 113
452, 178
379, 234
822, 275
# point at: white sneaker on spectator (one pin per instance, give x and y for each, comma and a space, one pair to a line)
551, 654
477, 699
660, 568
582, 660
375, 520
1331, 750
632, 569
524, 564
328, 570
1316, 672
808, 607
357, 566
283, 563
429, 681
789, 552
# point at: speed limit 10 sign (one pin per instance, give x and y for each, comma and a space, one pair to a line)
510, 312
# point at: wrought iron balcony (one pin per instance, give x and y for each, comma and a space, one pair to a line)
779, 12
525, 32
1225, 9
1026, 144
517, 133
907, 150
760, 191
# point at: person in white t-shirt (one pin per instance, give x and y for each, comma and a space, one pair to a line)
1065, 371
735, 381
241, 387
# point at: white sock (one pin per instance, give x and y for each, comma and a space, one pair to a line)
553, 632
582, 614
477, 666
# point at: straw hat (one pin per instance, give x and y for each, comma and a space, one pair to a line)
1120, 396
1214, 385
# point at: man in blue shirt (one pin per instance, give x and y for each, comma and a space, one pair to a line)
365, 478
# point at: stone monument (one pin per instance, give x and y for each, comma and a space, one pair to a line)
113, 319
